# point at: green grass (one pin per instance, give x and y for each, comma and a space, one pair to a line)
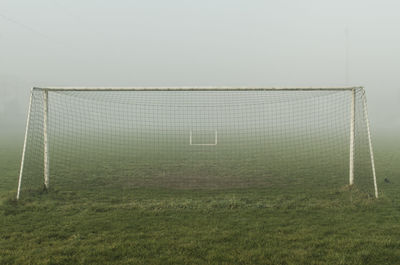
266, 225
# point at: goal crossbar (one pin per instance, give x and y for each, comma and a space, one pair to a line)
197, 88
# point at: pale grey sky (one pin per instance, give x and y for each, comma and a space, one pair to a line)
185, 42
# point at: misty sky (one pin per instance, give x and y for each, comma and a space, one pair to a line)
201, 43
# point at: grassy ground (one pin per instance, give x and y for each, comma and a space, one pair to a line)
243, 226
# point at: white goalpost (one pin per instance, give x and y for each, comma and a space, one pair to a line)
238, 137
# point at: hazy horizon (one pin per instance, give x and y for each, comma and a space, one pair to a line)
207, 43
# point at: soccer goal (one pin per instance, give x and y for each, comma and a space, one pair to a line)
209, 138
291, 139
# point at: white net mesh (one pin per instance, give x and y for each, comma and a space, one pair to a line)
288, 141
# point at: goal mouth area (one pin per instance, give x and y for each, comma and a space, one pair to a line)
199, 137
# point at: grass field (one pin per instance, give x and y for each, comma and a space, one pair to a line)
236, 226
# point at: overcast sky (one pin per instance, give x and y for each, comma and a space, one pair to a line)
201, 43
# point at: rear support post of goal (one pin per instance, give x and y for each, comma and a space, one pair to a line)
45, 137
371, 150
352, 135
24, 148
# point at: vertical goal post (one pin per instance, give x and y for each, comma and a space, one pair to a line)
352, 135
46, 91
46, 138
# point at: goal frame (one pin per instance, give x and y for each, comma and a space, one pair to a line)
203, 144
47, 90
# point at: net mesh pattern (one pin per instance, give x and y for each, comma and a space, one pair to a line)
283, 140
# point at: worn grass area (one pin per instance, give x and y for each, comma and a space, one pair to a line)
242, 226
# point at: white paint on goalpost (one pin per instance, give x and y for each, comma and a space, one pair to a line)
196, 88
352, 135
371, 150
24, 148
45, 137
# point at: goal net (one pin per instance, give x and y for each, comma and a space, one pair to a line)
287, 140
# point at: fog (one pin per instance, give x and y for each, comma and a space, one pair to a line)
200, 43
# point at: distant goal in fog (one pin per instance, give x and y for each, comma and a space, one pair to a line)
294, 139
